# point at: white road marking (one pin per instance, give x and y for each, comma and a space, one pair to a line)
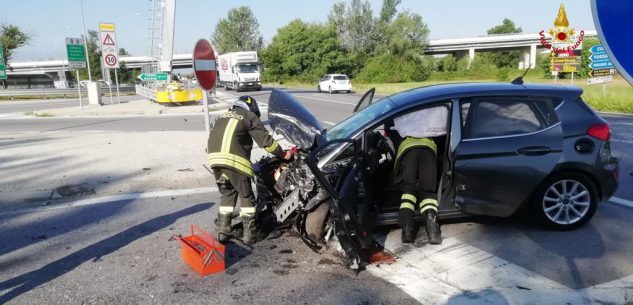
457, 273
329, 123
621, 201
325, 100
620, 123
115, 198
623, 141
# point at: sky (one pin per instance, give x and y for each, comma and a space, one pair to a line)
50, 21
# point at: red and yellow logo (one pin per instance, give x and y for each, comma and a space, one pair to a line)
563, 38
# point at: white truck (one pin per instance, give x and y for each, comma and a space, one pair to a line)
239, 71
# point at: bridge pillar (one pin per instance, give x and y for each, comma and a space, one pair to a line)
533, 56
471, 56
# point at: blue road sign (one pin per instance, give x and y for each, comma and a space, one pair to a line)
614, 25
601, 65
598, 49
599, 57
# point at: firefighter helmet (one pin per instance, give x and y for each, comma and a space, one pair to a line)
249, 103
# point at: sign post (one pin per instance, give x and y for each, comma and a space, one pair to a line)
153, 76
109, 52
3, 66
76, 54
602, 69
205, 69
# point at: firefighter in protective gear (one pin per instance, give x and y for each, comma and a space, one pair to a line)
229, 148
416, 177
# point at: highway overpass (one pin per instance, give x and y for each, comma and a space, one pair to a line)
460, 47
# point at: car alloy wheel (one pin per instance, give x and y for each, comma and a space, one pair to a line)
565, 201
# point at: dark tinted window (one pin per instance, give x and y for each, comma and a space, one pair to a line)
498, 117
340, 77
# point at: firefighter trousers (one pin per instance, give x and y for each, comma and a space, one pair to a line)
418, 179
232, 184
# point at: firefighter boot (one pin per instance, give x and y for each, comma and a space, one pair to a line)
432, 227
251, 234
408, 225
224, 232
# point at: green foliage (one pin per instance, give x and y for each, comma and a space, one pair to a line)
239, 31
355, 25
407, 35
94, 54
389, 68
11, 38
447, 63
586, 54
507, 26
503, 74
502, 59
304, 51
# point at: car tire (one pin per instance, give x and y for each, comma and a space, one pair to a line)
315, 221
565, 201
349, 91
329, 89
319, 89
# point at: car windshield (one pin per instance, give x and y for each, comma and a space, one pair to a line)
349, 126
340, 77
247, 68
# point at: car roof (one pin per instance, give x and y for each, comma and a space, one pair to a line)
335, 75
457, 90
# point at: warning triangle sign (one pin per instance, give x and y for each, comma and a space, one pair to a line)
108, 41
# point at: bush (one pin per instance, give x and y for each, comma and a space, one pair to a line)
388, 68
503, 74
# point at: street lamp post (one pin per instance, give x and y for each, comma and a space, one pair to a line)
83, 22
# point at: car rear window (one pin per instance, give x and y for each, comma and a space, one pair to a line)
340, 77
496, 117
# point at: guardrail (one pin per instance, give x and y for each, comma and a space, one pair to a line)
53, 92
145, 92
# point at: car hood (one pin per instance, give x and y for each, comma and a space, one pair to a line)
290, 119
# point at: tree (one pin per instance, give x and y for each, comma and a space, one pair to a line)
408, 35
11, 38
303, 51
239, 31
94, 53
354, 25
504, 58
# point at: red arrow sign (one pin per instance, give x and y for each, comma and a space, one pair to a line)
204, 64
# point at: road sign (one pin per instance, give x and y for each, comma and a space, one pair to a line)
3, 67
599, 57
597, 49
109, 50
204, 64
153, 76
612, 19
601, 72
76, 53
601, 65
600, 80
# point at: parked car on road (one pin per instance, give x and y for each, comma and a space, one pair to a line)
505, 146
335, 83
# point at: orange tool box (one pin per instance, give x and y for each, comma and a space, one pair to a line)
202, 252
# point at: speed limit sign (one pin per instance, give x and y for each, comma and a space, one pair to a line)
110, 60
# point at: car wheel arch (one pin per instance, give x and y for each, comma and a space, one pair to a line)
577, 168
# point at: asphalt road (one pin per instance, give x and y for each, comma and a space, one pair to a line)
117, 252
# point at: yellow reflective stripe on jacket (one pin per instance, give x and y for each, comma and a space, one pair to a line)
409, 197
231, 160
272, 147
228, 135
428, 204
415, 142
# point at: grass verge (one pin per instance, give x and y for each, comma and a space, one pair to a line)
618, 96
39, 114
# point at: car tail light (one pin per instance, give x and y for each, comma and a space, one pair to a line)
600, 131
